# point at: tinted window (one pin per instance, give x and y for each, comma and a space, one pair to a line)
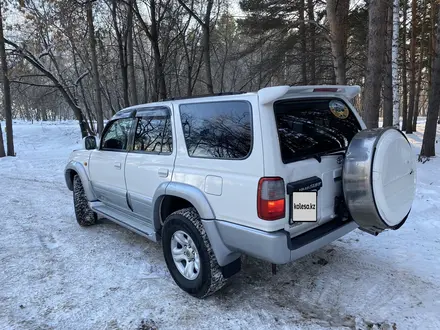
313, 127
217, 129
116, 136
153, 134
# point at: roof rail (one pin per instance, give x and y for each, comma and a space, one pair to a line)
200, 96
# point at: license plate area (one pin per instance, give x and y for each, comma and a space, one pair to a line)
303, 200
305, 206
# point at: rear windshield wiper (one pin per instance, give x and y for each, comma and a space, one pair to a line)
318, 156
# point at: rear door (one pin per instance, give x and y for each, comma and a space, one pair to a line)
313, 136
150, 161
107, 164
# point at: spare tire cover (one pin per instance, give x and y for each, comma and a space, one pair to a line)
379, 179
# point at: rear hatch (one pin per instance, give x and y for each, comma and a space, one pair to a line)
313, 135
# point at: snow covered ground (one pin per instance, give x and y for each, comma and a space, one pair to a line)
57, 275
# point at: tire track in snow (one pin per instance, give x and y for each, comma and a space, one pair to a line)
47, 183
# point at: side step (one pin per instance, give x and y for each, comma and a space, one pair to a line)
128, 221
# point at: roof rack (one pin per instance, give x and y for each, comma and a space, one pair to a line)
200, 96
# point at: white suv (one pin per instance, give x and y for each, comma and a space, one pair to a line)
274, 174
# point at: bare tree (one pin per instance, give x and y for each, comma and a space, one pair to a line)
205, 23
6, 90
57, 83
429, 136
130, 55
123, 65
152, 32
96, 80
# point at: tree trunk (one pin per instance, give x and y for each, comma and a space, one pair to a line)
161, 90
205, 23
6, 91
159, 72
337, 14
207, 46
395, 65
302, 30
428, 145
207, 59
377, 11
96, 81
420, 69
121, 55
404, 69
130, 56
2, 145
431, 44
388, 77
412, 90
312, 53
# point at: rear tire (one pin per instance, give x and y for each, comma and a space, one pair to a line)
84, 215
184, 232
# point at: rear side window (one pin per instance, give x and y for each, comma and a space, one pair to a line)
154, 135
220, 130
313, 127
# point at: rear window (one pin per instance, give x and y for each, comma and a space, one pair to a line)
315, 127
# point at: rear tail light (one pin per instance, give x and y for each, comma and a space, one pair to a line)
271, 199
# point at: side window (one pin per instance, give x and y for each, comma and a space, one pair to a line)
117, 135
154, 135
220, 130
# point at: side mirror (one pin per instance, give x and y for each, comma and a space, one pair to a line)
89, 143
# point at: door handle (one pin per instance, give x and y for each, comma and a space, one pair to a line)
163, 172
118, 166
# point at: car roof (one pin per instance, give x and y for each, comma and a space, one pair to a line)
265, 96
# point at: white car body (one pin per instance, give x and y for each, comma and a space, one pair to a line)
132, 188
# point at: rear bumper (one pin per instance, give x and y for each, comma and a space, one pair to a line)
228, 240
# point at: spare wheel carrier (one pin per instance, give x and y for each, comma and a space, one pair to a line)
379, 179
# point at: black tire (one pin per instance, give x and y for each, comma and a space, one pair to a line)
210, 278
84, 215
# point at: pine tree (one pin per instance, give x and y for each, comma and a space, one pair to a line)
429, 137
377, 13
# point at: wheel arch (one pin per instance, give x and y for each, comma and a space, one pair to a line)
172, 196
75, 168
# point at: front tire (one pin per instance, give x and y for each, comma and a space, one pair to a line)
84, 215
189, 255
